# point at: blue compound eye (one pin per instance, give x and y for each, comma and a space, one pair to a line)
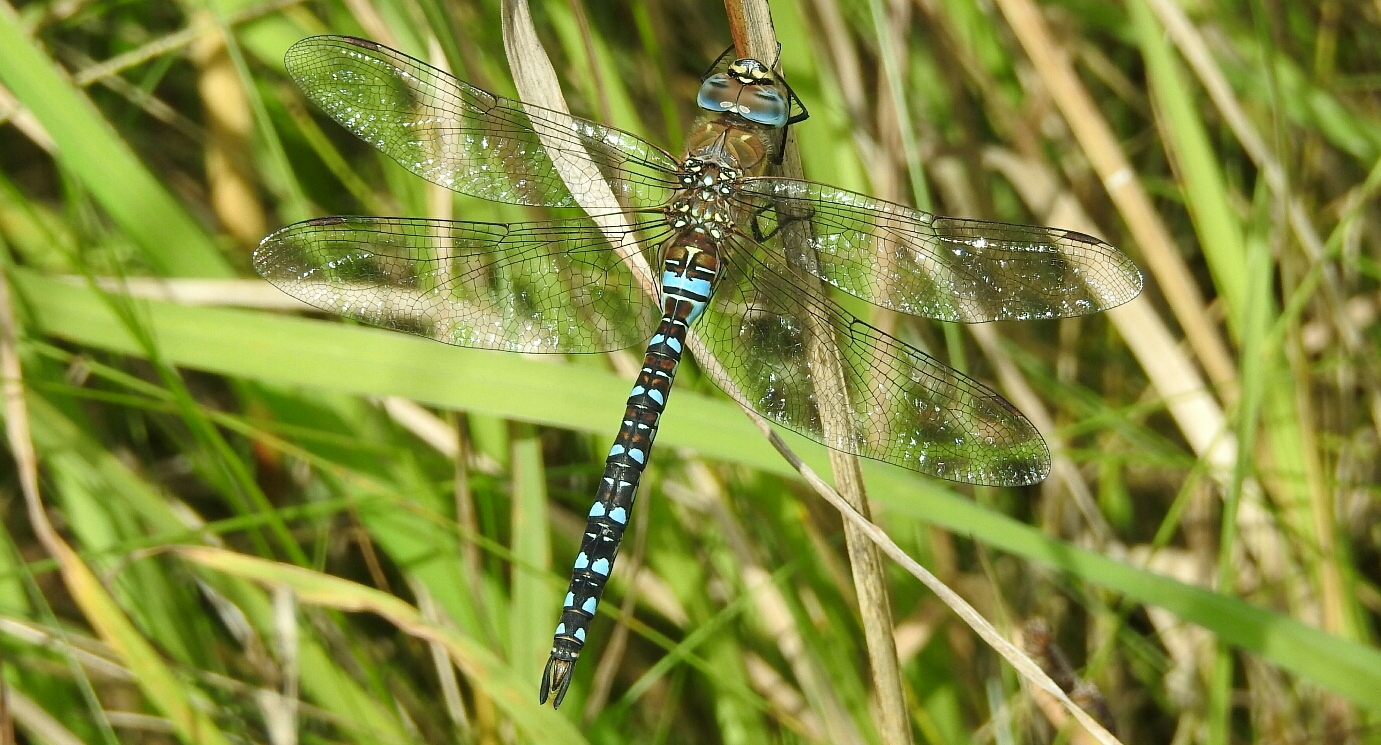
718, 93
764, 106
757, 102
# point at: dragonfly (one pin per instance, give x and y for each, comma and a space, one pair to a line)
749, 264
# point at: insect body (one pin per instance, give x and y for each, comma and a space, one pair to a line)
729, 240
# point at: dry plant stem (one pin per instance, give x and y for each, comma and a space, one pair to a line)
372, 22
750, 21
283, 724
234, 293
1099, 143
535, 79
1191, 45
1023, 664
11, 110
466, 517
441, 660
229, 140
38, 723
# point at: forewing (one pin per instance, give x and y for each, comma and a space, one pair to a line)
948, 268
466, 139
525, 287
896, 404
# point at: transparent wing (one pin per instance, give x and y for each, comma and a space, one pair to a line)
524, 287
898, 404
946, 268
458, 136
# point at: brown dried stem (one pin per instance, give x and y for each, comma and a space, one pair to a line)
750, 21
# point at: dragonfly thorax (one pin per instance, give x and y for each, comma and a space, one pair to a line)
701, 205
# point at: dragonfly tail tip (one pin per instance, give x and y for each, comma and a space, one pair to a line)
556, 679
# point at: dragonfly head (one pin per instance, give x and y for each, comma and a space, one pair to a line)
747, 88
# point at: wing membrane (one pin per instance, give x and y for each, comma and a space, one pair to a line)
525, 287
466, 139
948, 268
899, 405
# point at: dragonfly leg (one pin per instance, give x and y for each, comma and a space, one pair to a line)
781, 221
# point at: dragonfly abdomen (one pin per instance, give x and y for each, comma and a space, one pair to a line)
689, 274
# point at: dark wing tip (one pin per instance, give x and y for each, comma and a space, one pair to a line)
332, 220
373, 46
1124, 278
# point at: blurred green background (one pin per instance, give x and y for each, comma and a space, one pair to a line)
1202, 566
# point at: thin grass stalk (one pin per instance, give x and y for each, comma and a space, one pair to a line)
467, 521
242, 489
1197, 171
281, 715
445, 671
531, 545
280, 179
750, 21
536, 82
1255, 321
6, 714
886, 28
1221, 238
1104, 152
1018, 659
89, 147
1019, 391
174, 41
587, 44
230, 129
1196, 412
321, 679
306, 354
34, 720
507, 689
1192, 45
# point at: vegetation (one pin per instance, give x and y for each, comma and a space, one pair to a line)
259, 524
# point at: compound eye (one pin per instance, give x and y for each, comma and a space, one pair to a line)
718, 92
763, 105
